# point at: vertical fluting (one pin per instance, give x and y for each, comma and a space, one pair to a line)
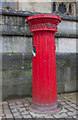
44, 69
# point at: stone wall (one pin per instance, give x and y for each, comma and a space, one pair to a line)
36, 6
17, 54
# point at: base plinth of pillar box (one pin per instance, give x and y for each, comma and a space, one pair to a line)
45, 109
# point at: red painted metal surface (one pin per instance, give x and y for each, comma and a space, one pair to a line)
44, 91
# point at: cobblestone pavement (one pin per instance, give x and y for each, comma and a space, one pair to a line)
18, 108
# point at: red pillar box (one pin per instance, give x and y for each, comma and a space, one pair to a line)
44, 91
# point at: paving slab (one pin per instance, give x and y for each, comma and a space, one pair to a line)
19, 108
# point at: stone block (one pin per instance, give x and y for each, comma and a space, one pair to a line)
44, 7
67, 45
15, 61
70, 86
16, 44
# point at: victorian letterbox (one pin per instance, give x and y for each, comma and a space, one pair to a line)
44, 90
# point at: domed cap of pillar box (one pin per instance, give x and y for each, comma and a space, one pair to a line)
43, 22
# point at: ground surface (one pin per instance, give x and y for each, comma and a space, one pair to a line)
18, 108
